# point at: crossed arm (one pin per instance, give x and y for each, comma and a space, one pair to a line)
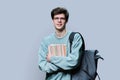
50, 63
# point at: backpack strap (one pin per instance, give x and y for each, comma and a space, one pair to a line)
71, 37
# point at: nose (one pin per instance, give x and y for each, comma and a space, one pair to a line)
59, 20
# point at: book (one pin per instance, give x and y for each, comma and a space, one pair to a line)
57, 49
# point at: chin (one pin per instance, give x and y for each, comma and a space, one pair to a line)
60, 29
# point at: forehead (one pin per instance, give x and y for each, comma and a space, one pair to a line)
59, 15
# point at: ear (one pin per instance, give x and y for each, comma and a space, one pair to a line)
52, 20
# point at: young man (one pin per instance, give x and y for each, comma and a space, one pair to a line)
54, 53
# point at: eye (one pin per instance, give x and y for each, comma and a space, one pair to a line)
57, 18
62, 18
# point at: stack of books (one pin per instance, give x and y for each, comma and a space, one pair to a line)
57, 49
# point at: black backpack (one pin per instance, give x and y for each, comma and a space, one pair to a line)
87, 70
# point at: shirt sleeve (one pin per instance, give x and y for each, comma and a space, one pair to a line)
69, 62
44, 65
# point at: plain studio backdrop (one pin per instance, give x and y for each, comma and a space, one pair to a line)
24, 23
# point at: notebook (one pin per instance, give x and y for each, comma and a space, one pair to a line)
57, 49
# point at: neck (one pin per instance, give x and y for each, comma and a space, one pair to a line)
60, 33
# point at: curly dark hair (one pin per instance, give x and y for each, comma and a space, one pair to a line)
60, 10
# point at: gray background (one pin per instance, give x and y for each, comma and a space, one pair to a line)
23, 24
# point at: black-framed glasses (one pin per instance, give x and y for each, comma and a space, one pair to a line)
57, 18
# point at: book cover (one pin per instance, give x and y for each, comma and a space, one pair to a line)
57, 49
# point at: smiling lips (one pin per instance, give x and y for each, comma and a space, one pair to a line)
59, 24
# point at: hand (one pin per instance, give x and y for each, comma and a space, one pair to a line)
48, 57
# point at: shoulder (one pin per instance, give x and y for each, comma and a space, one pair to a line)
78, 38
77, 35
47, 38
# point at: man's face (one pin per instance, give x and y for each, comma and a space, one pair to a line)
59, 22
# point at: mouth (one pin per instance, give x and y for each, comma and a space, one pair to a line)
59, 24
